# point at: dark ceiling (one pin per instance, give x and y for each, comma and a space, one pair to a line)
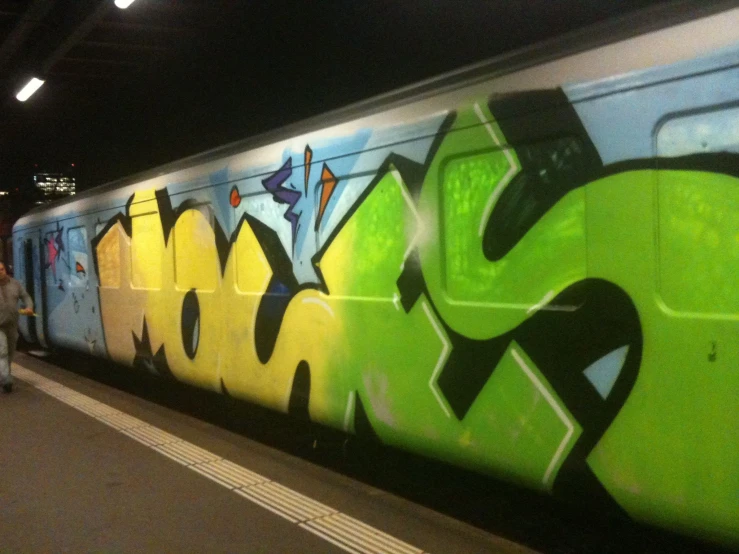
130, 89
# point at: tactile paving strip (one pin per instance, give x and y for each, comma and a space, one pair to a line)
339, 529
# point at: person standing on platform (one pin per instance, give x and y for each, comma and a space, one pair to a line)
11, 291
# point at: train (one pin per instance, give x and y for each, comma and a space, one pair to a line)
527, 268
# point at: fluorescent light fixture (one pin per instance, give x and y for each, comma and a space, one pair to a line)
26, 92
123, 4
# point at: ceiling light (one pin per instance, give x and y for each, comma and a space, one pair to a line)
26, 92
123, 4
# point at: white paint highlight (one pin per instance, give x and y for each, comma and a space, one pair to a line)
347, 533
441, 361
321, 303
547, 297
555, 406
412, 206
506, 178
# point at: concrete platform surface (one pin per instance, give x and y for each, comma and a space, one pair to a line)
89, 468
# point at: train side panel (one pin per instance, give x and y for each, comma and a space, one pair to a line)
674, 251
538, 285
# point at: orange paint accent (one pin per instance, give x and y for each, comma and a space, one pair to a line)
329, 184
79, 268
308, 158
235, 198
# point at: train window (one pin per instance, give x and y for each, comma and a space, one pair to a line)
698, 212
508, 219
367, 257
253, 271
699, 133
146, 252
52, 248
78, 257
195, 258
108, 251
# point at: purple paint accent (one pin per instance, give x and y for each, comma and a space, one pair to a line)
273, 182
283, 195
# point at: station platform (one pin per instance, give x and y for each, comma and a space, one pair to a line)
86, 467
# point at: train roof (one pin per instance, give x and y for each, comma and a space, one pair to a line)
639, 23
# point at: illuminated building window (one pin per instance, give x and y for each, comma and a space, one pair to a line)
54, 185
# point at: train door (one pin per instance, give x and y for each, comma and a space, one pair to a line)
28, 324
35, 280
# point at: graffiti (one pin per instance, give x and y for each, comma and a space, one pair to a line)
534, 388
278, 335
555, 165
289, 195
285, 195
234, 198
91, 340
54, 249
66, 304
145, 359
328, 184
190, 324
515, 285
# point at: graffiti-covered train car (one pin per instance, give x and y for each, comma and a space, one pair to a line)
528, 269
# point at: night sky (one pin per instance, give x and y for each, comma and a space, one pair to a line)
266, 64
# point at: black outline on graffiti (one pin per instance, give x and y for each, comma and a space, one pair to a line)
605, 317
